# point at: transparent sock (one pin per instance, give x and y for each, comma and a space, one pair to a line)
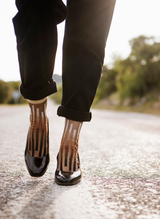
38, 141
68, 158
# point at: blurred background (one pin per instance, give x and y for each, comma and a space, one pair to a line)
131, 73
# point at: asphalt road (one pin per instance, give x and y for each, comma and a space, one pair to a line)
120, 160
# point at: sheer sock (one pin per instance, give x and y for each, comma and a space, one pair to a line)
68, 158
38, 141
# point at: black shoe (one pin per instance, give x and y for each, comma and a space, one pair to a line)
37, 166
68, 178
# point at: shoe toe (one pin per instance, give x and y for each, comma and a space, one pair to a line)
36, 166
68, 178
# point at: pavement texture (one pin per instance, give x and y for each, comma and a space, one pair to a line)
120, 161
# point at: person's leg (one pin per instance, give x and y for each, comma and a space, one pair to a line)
37, 145
38, 142
87, 28
36, 32
68, 170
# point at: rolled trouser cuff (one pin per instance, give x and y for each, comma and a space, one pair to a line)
73, 114
38, 94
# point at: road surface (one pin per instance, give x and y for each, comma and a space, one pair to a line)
120, 160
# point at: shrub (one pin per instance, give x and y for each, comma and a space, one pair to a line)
5, 92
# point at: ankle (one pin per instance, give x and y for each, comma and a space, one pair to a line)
38, 114
71, 133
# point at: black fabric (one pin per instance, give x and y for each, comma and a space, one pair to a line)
36, 32
74, 114
87, 27
58, 6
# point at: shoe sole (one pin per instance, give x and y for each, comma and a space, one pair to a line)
67, 184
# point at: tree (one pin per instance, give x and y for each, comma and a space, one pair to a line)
140, 72
5, 91
107, 84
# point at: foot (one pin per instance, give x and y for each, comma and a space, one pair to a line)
37, 147
68, 170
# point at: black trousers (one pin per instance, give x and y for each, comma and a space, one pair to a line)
87, 27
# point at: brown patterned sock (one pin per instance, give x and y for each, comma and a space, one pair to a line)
38, 141
68, 158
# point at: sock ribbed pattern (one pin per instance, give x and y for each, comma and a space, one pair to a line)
38, 135
68, 158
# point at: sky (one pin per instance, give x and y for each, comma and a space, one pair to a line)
131, 18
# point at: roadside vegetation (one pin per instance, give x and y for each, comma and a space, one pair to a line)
133, 83
7, 93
